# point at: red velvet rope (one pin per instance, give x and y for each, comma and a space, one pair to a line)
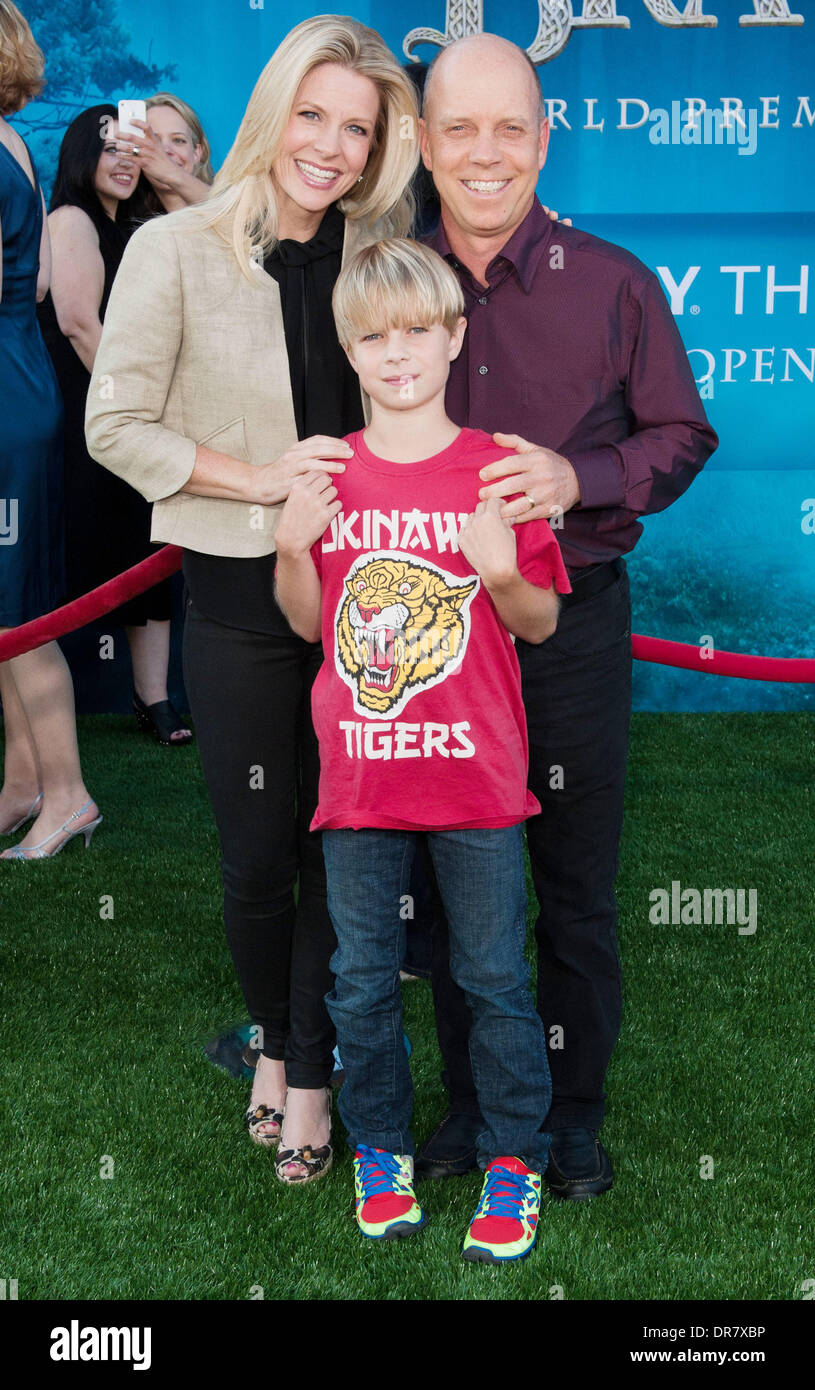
715, 663
168, 560
94, 605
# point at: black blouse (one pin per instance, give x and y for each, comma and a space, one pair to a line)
325, 395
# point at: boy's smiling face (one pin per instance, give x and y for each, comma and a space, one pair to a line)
402, 368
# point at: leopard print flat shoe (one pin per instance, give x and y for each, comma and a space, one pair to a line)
311, 1162
258, 1115
316, 1163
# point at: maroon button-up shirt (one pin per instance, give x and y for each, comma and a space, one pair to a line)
572, 345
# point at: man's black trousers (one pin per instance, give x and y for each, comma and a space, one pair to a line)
577, 693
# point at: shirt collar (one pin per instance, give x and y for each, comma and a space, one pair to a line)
524, 249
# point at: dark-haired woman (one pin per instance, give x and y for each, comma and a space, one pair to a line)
97, 201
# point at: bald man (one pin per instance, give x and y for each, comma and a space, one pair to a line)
572, 352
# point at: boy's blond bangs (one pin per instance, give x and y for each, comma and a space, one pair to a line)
395, 284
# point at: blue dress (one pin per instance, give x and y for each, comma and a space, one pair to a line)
31, 415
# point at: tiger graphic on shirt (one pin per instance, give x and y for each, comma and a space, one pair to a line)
402, 625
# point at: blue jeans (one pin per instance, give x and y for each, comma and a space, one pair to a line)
481, 880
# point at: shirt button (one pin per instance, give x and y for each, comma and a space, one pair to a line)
482, 371
483, 299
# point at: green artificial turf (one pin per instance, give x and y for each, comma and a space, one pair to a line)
103, 1022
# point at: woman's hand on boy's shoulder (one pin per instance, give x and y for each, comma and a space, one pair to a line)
311, 505
270, 483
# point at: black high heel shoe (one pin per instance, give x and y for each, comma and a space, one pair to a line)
160, 721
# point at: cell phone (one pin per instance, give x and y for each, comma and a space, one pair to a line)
129, 109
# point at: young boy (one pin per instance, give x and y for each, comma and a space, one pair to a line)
415, 587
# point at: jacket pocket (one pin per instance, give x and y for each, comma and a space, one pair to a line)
229, 439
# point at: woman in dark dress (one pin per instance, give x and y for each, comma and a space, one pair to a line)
98, 199
42, 775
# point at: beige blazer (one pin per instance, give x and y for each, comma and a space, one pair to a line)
192, 353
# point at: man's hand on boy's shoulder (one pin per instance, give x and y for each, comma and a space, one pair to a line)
541, 476
555, 216
310, 507
487, 541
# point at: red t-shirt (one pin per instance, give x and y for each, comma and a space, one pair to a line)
417, 705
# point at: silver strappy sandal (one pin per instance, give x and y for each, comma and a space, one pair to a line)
32, 811
40, 852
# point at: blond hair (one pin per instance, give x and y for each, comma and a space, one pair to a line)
202, 168
243, 207
395, 283
21, 61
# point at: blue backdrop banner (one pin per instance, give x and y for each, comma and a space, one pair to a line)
683, 134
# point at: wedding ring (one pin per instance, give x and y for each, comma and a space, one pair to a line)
530, 499
136, 149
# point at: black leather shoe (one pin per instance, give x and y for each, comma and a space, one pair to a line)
450, 1150
579, 1167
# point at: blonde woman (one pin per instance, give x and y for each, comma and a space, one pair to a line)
229, 383
173, 154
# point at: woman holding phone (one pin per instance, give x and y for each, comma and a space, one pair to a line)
171, 150
103, 190
229, 384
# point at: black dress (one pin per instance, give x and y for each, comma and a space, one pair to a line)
31, 570
107, 522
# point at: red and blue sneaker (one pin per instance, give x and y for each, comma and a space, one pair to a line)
505, 1224
386, 1205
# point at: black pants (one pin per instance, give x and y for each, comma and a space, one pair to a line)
250, 698
577, 693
